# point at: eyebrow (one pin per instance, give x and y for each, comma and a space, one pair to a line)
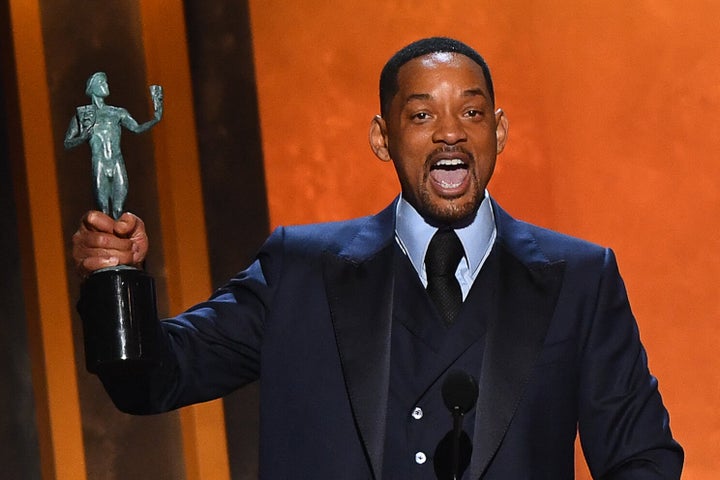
472, 92
418, 96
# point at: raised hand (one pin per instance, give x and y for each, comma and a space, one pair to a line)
102, 242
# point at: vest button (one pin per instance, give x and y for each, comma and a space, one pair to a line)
420, 458
417, 414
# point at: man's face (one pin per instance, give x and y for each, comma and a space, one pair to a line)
442, 135
101, 87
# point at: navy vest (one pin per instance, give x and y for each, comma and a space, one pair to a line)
423, 351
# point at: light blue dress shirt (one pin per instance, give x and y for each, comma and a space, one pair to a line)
413, 235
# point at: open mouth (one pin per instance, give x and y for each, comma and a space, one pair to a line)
449, 173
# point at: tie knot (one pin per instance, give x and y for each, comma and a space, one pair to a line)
443, 254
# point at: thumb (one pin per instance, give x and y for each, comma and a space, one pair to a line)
132, 227
126, 225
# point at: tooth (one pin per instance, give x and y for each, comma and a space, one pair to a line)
449, 185
450, 162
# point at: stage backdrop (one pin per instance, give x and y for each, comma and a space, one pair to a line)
614, 113
613, 110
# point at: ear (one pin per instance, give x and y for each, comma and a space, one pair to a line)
378, 138
501, 129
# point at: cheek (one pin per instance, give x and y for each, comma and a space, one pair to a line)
488, 139
409, 158
408, 175
410, 137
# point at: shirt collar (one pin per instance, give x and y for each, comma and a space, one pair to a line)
413, 234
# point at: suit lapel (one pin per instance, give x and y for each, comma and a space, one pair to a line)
359, 285
527, 289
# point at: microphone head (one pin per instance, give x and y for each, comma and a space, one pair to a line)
459, 391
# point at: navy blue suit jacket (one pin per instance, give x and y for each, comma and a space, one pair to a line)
311, 318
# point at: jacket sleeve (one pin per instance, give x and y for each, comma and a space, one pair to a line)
624, 427
210, 349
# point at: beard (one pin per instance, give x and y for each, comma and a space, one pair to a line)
450, 211
446, 210
453, 212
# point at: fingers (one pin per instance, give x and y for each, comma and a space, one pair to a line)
132, 227
126, 225
86, 266
94, 250
95, 221
102, 242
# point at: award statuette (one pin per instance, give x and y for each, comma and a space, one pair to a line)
117, 304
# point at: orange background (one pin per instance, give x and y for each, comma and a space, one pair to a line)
613, 111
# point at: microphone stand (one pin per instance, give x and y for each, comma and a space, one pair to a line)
457, 430
460, 392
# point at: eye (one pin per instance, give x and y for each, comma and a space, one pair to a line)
420, 116
472, 113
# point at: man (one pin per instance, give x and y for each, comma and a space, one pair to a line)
352, 351
100, 125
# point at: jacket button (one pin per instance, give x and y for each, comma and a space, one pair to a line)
420, 458
417, 414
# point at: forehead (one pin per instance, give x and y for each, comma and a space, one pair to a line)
431, 70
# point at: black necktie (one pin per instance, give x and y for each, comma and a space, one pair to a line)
441, 261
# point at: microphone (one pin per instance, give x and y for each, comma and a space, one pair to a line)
460, 392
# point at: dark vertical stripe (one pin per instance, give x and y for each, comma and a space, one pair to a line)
20, 455
79, 41
233, 177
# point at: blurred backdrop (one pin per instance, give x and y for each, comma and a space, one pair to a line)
614, 110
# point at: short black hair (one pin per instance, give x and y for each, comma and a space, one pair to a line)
389, 75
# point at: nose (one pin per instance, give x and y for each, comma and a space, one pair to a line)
449, 130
